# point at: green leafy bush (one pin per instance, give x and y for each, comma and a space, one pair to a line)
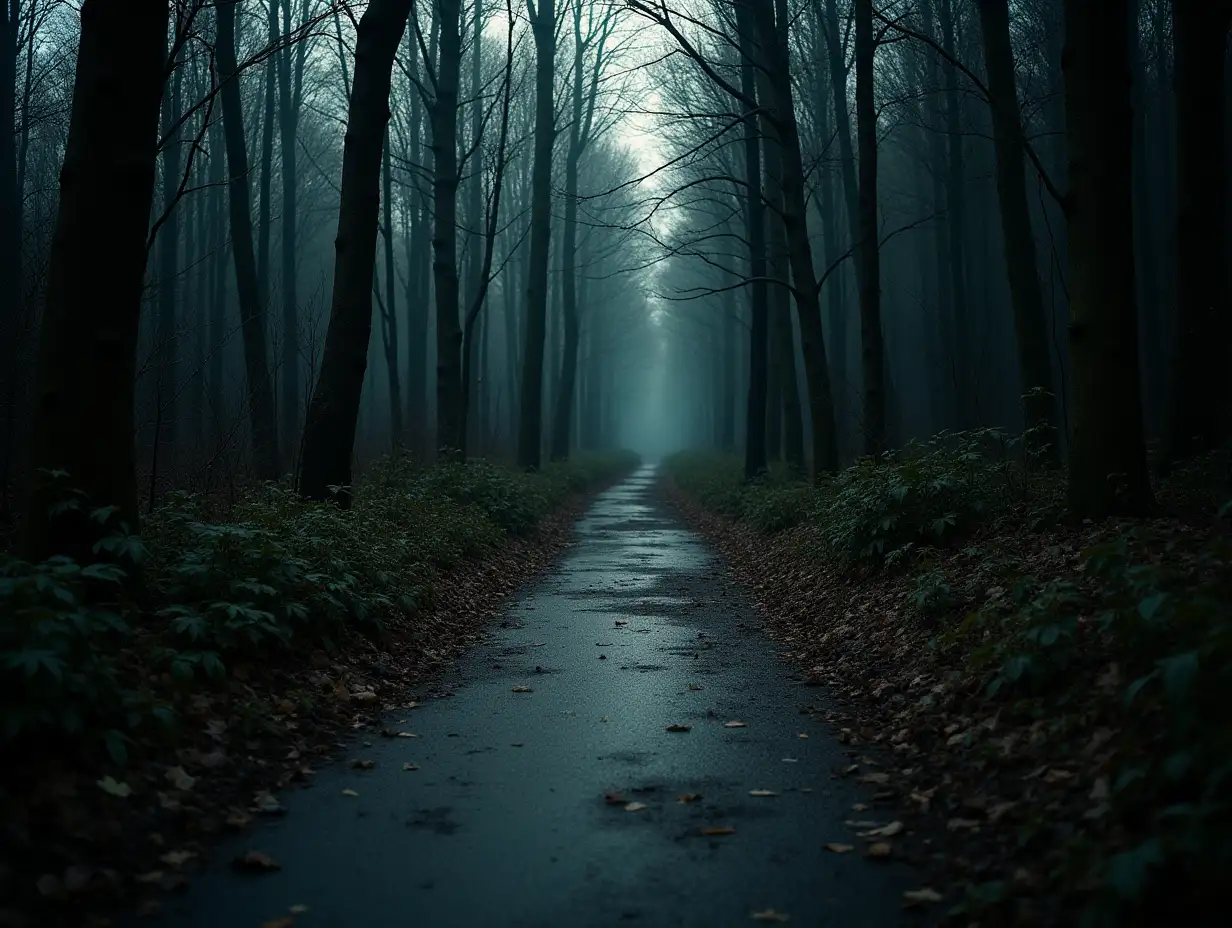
276, 573
63, 628
1167, 623
926, 493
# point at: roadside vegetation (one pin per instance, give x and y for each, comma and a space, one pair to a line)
223, 635
1049, 698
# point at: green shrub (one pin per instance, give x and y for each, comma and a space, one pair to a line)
1168, 625
63, 628
926, 493
277, 573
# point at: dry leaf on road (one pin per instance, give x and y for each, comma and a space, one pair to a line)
255, 862
914, 897
678, 727
735, 725
770, 915
840, 848
762, 792
635, 807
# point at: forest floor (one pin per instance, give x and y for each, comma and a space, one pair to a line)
625, 747
1042, 704
82, 835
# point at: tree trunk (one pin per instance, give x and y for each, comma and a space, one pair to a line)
1200, 29
252, 307
390, 309
727, 435
288, 128
530, 428
1107, 456
872, 349
167, 348
938, 160
956, 215
219, 245
329, 432
579, 137
265, 184
87, 354
755, 222
783, 409
444, 118
847, 173
474, 210
1030, 325
804, 278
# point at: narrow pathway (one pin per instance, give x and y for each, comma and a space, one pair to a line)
505, 825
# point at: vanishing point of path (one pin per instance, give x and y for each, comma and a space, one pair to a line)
505, 825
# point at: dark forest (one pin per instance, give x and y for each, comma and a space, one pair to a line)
577, 462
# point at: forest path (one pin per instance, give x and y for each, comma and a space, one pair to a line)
505, 825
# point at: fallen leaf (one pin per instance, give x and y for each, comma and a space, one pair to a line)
177, 858
362, 764
802, 735
238, 819
349, 792
635, 807
255, 862
179, 779
735, 725
879, 850
791, 760
688, 797
770, 915
364, 696
696, 686
410, 766
522, 689
718, 830
679, 727
885, 831
762, 792
914, 897
877, 779
859, 807
955, 824
840, 848
407, 734
1057, 775
111, 787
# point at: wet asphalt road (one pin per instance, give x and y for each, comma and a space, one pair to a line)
505, 825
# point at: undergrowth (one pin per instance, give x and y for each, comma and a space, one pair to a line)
1133, 629
83, 656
